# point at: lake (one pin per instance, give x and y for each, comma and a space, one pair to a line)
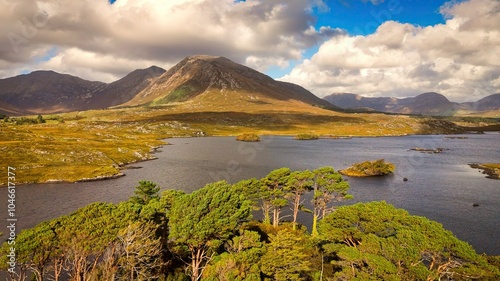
440, 186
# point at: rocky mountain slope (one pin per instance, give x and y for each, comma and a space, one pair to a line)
425, 104
126, 88
204, 75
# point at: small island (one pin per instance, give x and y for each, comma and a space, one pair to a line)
369, 169
306, 136
248, 137
492, 170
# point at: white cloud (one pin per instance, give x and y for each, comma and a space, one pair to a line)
460, 59
94, 37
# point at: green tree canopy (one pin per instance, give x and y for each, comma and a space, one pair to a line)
240, 261
299, 183
329, 187
206, 218
145, 191
285, 258
273, 193
374, 241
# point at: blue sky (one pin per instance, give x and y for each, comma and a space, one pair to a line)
363, 18
395, 48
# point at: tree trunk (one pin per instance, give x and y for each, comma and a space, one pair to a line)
296, 205
314, 231
58, 265
276, 216
265, 209
196, 260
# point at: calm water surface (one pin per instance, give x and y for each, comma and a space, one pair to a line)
441, 186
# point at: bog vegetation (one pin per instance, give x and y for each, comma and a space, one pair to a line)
369, 169
248, 137
209, 234
306, 136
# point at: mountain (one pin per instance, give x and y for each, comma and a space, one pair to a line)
353, 101
425, 104
124, 89
42, 92
204, 82
206, 78
45, 91
488, 103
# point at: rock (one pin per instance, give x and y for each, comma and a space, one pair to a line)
475, 205
428, 150
405, 179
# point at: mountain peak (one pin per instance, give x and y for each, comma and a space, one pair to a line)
204, 57
432, 95
214, 75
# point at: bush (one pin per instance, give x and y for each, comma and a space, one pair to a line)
306, 136
369, 168
248, 137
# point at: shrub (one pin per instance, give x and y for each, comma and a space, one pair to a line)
369, 168
248, 137
306, 136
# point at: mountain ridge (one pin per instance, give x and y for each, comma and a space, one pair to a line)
429, 103
195, 79
47, 91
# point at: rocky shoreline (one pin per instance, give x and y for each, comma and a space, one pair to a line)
492, 171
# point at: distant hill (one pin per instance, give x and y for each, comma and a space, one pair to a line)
126, 88
491, 102
206, 76
425, 104
42, 92
45, 91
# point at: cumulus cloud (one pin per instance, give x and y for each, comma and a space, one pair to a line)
460, 59
102, 41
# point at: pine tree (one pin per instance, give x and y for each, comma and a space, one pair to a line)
145, 191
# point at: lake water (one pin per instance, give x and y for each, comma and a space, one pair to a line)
440, 186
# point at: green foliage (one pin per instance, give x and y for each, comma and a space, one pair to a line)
306, 136
273, 193
211, 213
299, 183
22, 120
39, 119
77, 240
145, 191
205, 219
139, 252
241, 261
329, 187
285, 258
34, 248
206, 235
369, 168
375, 240
248, 137
181, 93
